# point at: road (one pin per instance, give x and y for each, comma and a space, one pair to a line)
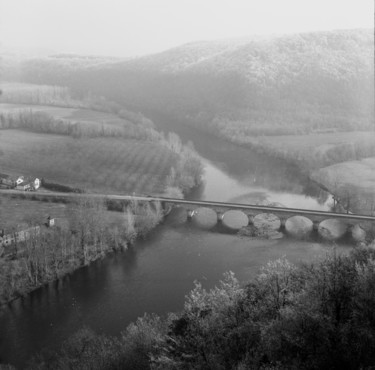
201, 203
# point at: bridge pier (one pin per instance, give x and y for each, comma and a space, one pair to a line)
250, 216
220, 216
329, 225
283, 220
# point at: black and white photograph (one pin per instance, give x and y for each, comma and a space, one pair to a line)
187, 185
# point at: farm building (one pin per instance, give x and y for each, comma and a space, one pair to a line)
19, 182
28, 184
11, 182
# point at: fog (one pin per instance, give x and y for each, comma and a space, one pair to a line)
129, 28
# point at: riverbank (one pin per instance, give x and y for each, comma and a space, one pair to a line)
340, 163
87, 233
212, 329
353, 183
156, 274
314, 150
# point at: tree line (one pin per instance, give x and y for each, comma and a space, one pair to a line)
85, 236
30, 120
312, 316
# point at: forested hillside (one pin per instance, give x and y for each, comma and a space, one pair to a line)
317, 316
257, 86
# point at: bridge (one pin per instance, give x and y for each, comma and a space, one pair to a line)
295, 221
235, 216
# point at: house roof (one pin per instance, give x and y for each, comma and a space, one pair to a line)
24, 183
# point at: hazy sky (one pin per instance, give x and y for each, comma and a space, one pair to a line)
135, 27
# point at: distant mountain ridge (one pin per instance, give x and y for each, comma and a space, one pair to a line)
245, 54
297, 82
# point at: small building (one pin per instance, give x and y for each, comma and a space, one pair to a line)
50, 222
23, 186
37, 183
28, 184
19, 180
11, 182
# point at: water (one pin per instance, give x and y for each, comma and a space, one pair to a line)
157, 273
219, 186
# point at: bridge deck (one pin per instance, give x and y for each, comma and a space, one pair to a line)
203, 203
268, 209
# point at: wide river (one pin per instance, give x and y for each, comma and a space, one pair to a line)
157, 273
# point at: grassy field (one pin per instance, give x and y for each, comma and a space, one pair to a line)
317, 143
72, 114
100, 164
352, 181
359, 174
93, 164
85, 117
319, 150
19, 213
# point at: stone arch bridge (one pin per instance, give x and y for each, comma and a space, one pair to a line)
294, 221
235, 216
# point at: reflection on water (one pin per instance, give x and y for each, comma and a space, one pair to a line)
152, 277
219, 186
239, 162
157, 273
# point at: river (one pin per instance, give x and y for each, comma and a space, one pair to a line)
156, 273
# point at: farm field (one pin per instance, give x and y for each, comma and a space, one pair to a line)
106, 165
353, 180
312, 140
359, 174
20, 213
85, 117
317, 143
319, 150
17, 213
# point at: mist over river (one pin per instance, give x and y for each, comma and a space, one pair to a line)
156, 274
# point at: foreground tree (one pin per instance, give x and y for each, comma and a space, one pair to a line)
315, 316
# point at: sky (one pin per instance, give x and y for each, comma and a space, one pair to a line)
136, 27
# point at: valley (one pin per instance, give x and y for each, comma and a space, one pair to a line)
284, 121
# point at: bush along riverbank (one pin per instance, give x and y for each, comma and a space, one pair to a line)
88, 233
315, 316
89, 230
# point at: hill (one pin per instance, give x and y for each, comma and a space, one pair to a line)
51, 135
254, 86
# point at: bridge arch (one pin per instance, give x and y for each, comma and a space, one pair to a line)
358, 233
204, 217
235, 219
267, 220
332, 229
177, 215
299, 226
